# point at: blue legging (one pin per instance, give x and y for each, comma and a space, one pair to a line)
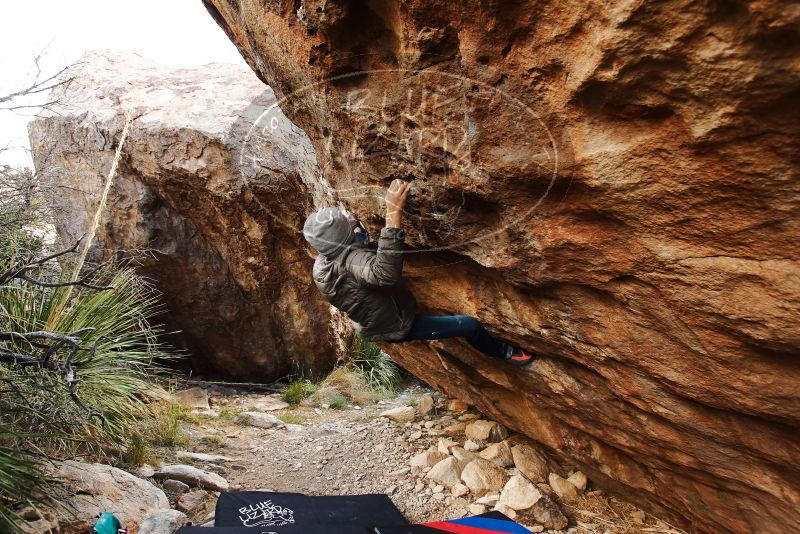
446, 326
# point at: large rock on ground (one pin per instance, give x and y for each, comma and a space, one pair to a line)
95, 488
192, 476
222, 240
613, 186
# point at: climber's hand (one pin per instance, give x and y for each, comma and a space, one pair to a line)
395, 198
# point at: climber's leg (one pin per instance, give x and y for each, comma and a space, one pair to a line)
447, 326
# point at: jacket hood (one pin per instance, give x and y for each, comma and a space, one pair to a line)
328, 231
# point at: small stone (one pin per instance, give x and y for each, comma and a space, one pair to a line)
472, 445
445, 444
415, 436
175, 487
163, 522
447, 472
391, 489
519, 493
401, 414
438, 488
425, 405
482, 476
477, 509
489, 500
193, 398
547, 513
266, 404
535, 528
578, 480
258, 420
506, 511
428, 458
459, 490
191, 501
457, 406
455, 429
484, 430
145, 471
462, 454
201, 457
499, 453
564, 489
468, 417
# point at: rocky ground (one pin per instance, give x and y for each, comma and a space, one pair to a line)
420, 452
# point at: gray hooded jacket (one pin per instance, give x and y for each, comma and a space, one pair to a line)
364, 282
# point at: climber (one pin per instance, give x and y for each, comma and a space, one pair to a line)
366, 282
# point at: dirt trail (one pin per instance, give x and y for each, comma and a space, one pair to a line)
355, 451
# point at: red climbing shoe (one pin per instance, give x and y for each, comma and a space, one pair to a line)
520, 357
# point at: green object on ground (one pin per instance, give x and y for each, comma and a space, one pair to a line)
107, 523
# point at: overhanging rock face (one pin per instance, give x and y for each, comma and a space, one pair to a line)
234, 280
614, 186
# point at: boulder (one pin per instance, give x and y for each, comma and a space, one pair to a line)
447, 472
222, 244
401, 414
163, 522
95, 488
499, 453
519, 493
563, 488
193, 477
482, 477
259, 420
613, 188
530, 462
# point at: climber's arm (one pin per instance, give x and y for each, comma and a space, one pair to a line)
384, 268
395, 198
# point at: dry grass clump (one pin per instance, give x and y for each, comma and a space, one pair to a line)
594, 511
344, 382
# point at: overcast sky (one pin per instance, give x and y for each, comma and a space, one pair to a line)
171, 32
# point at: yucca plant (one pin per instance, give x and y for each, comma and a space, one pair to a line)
113, 368
20, 476
93, 380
